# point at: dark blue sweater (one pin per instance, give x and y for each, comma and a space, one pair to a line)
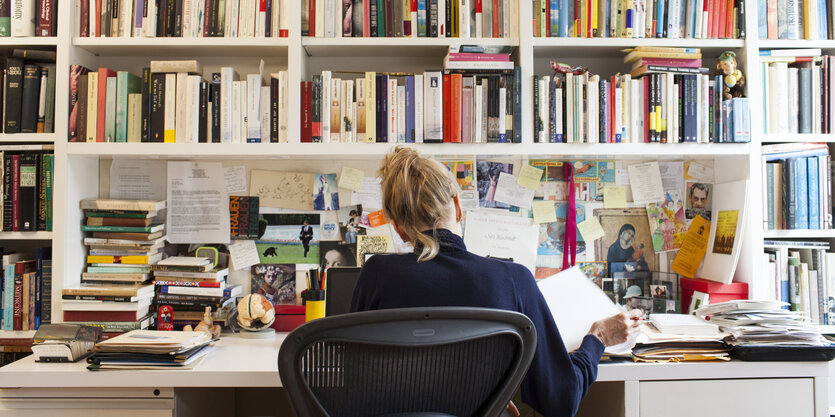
556, 380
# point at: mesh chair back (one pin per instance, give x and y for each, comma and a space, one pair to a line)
428, 361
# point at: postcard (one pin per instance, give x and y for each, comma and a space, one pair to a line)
487, 180
277, 282
325, 192
289, 238
667, 223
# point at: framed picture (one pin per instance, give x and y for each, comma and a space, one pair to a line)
627, 245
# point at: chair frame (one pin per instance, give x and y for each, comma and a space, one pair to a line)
421, 326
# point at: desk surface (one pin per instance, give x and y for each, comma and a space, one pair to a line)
237, 362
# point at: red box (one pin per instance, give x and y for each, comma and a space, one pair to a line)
717, 292
288, 317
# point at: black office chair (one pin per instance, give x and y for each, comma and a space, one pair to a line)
430, 362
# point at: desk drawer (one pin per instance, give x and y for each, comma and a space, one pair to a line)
731, 397
86, 407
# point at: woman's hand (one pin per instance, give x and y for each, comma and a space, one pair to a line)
616, 329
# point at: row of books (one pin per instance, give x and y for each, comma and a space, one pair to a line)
115, 292
183, 18
798, 88
697, 19
28, 96
28, 17
28, 182
26, 290
171, 102
408, 18
188, 286
798, 186
800, 273
795, 19
432, 107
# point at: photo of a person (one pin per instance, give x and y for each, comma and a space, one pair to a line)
698, 201
288, 238
334, 254
658, 291
351, 228
625, 249
276, 282
627, 243
487, 180
325, 196
306, 235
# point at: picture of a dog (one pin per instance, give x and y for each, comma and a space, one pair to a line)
270, 252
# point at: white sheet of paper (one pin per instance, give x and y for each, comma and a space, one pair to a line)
244, 254
370, 196
509, 191
621, 176
198, 206
502, 237
235, 179
699, 172
576, 303
672, 175
645, 180
132, 179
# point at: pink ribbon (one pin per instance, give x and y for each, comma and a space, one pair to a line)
570, 237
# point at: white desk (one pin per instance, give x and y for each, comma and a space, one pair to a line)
623, 389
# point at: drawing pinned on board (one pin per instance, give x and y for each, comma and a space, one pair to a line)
289, 190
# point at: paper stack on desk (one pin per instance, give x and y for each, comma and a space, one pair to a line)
655, 346
762, 323
150, 349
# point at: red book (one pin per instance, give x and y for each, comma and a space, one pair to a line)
306, 127
714, 18
311, 31
447, 108
84, 27
105, 315
720, 21
15, 192
20, 268
588, 20
101, 109
495, 19
46, 12
208, 17
455, 108
97, 17
366, 19
547, 32
729, 19
189, 283
612, 110
646, 109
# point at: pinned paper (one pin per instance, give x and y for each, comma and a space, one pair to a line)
529, 177
590, 229
508, 191
693, 248
376, 218
672, 175
351, 178
235, 179
244, 254
645, 180
543, 211
622, 176
696, 171
289, 190
371, 194
614, 196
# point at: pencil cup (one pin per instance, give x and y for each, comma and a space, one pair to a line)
315, 305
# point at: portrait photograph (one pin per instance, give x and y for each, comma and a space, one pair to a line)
698, 199
325, 192
627, 243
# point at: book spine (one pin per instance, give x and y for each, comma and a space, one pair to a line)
13, 95
216, 107
42, 199
8, 175
145, 125
156, 115
46, 292
5, 18
30, 98
15, 193
27, 191
316, 109
49, 172
813, 193
18, 300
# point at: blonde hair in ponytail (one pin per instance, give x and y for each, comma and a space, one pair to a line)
417, 194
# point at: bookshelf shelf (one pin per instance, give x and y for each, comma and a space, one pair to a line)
799, 234
16, 334
798, 138
606, 47
393, 47
25, 236
374, 151
180, 47
801, 44
22, 138
29, 41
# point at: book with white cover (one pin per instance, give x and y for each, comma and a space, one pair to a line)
185, 261
683, 324
727, 197
433, 106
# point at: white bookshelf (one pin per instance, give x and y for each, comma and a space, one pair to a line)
799, 234
23, 138
16, 334
183, 47
26, 236
797, 138
29, 41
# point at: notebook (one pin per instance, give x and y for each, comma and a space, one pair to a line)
683, 324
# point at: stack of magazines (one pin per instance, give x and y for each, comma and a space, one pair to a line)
150, 349
751, 322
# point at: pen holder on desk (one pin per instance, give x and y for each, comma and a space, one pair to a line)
314, 305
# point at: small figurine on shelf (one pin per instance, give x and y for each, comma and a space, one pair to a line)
206, 325
733, 79
560, 68
165, 317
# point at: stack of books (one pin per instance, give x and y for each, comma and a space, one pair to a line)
115, 292
29, 91
26, 290
189, 286
172, 102
797, 88
762, 323
150, 349
668, 97
797, 184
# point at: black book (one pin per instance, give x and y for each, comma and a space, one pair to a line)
178, 18
356, 18
432, 25
211, 17
157, 113
215, 90
146, 104
537, 120
389, 9
316, 109
382, 108
27, 199
448, 19
162, 6
8, 204
31, 98
517, 105
372, 21
274, 111
34, 55
202, 133
169, 17
106, 17
114, 17
14, 92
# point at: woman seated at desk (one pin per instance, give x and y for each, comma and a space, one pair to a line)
420, 197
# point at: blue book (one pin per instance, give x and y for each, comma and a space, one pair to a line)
802, 191
814, 192
738, 110
569, 22
823, 27
421, 16
562, 25
410, 109
126, 83
784, 290
660, 12
8, 297
517, 105
554, 18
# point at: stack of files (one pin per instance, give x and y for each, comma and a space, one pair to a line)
656, 346
762, 323
189, 286
150, 349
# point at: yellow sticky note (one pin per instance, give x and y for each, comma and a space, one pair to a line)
351, 178
543, 211
590, 229
529, 177
614, 196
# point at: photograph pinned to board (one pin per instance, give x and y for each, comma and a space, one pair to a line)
325, 192
464, 173
667, 222
289, 238
287, 190
487, 180
277, 282
368, 246
336, 254
500, 236
698, 200
550, 242
627, 245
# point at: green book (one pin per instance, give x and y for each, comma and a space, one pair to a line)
110, 110
381, 18
123, 229
126, 83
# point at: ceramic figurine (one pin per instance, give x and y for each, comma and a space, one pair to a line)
206, 325
733, 79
